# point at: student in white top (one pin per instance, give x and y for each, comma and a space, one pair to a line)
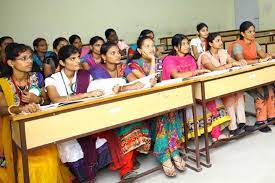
198, 45
61, 87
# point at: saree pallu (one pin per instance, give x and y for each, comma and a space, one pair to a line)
134, 137
220, 118
264, 103
167, 135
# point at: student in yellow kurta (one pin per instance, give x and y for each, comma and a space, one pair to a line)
22, 91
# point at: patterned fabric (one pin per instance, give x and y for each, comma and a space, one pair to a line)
212, 120
133, 136
186, 64
35, 82
167, 132
142, 66
42, 162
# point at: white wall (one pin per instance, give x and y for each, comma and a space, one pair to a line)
267, 14
27, 19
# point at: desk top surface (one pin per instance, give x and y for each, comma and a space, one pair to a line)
100, 100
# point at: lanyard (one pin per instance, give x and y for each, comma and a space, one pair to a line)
73, 89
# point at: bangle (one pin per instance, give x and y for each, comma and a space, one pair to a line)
42, 101
260, 60
152, 68
9, 109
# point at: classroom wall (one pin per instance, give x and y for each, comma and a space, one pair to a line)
267, 14
28, 19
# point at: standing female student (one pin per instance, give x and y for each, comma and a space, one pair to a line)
247, 48
93, 57
22, 91
135, 137
198, 45
180, 64
68, 85
216, 58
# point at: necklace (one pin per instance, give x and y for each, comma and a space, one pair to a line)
20, 89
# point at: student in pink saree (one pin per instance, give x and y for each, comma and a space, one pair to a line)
180, 64
216, 58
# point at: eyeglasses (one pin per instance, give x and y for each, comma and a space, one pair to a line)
25, 59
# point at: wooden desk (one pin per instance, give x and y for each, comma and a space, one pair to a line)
31, 131
218, 86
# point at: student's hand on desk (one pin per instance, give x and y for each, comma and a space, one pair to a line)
202, 71
243, 62
267, 58
116, 89
137, 85
95, 93
29, 108
236, 64
153, 81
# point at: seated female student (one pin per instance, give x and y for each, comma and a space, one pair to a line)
133, 47
180, 64
145, 58
68, 85
166, 129
247, 48
4, 41
58, 43
216, 58
22, 91
112, 37
134, 137
44, 60
75, 40
93, 57
198, 45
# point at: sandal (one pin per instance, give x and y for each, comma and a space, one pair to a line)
221, 137
179, 163
169, 170
129, 175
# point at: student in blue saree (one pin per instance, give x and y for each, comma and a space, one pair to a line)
44, 61
166, 129
135, 137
